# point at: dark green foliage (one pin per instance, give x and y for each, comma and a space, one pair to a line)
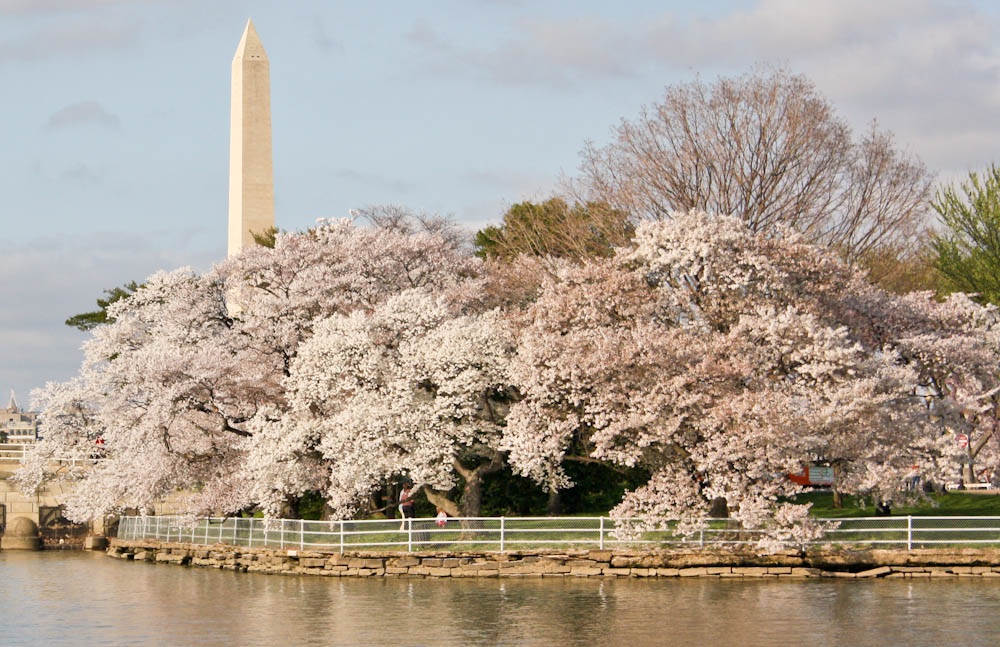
265, 238
506, 494
598, 486
310, 506
89, 320
967, 252
597, 489
554, 228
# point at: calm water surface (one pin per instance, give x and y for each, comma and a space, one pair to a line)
62, 598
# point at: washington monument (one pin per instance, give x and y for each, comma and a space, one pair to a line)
251, 174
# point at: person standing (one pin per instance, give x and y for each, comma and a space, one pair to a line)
406, 502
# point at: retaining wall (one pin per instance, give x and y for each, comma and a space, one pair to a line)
583, 563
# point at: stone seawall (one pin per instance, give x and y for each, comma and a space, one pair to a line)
583, 563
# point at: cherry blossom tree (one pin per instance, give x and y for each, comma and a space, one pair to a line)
720, 360
410, 389
954, 345
167, 397
190, 369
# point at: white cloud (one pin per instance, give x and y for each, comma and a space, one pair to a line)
929, 70
83, 113
71, 38
25, 7
47, 280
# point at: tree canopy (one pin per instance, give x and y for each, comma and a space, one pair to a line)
768, 148
556, 229
967, 250
707, 357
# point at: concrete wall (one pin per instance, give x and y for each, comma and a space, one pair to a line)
593, 563
21, 505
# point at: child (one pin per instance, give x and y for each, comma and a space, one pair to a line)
442, 518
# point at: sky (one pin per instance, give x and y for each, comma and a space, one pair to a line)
115, 116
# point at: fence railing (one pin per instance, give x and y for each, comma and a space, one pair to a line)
18, 452
518, 533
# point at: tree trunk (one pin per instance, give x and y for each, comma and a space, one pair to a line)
553, 507
838, 499
440, 500
471, 504
718, 509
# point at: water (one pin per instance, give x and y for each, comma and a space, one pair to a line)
77, 598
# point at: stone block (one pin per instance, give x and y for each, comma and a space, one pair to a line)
874, 572
802, 571
22, 507
698, 571
95, 543
406, 561
585, 571
487, 566
312, 562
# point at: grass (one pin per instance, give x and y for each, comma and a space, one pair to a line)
949, 504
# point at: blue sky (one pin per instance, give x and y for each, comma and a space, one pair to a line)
114, 157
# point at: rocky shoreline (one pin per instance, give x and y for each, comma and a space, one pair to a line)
841, 564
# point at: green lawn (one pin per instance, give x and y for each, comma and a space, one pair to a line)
950, 504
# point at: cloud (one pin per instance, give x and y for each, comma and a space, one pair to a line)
561, 53
83, 113
75, 38
925, 69
83, 174
322, 38
47, 280
30, 7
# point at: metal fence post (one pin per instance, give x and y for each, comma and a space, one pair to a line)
600, 542
409, 534
341, 537
503, 527
302, 534
909, 532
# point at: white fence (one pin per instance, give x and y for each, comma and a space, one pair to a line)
517, 533
12, 452
17, 452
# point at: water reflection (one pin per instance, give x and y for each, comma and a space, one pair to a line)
85, 598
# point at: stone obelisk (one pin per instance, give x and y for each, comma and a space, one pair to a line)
251, 174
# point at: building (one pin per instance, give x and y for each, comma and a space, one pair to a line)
16, 426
